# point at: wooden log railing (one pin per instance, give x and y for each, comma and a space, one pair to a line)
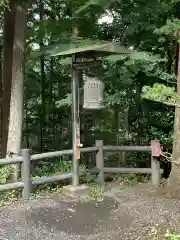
25, 159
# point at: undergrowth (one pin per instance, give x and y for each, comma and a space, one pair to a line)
48, 168
59, 166
156, 233
97, 192
131, 179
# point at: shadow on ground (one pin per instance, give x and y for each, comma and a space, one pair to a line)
78, 218
123, 214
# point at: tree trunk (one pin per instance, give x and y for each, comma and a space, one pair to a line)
174, 178
42, 115
43, 80
16, 102
50, 95
118, 127
1, 92
120, 123
9, 29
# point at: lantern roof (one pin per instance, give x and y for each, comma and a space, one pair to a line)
99, 49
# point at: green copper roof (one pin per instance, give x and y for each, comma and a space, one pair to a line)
96, 50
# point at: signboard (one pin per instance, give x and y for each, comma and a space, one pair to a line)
78, 143
155, 148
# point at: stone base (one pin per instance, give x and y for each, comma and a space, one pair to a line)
79, 191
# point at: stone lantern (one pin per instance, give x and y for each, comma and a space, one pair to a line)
93, 93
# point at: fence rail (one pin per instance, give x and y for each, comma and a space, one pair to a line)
10, 161
127, 148
25, 160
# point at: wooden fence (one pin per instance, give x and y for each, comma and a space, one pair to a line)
99, 149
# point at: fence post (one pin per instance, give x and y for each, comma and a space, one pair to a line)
26, 172
155, 164
100, 162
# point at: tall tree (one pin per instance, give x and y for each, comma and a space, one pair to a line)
17, 84
174, 178
1, 90
8, 41
43, 77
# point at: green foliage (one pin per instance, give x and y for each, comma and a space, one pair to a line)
8, 196
4, 3
130, 179
172, 236
102, 3
159, 92
144, 57
157, 234
131, 119
5, 173
172, 29
50, 168
128, 117
65, 102
97, 192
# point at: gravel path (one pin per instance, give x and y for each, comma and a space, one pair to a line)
123, 214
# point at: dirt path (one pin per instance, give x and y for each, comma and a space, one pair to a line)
123, 214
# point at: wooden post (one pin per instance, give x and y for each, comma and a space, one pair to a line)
155, 164
26, 172
100, 162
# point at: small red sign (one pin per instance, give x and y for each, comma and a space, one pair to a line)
156, 148
78, 150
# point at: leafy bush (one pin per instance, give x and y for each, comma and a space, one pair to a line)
172, 236
5, 173
47, 168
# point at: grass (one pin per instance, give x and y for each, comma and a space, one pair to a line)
97, 192
172, 236
46, 168
157, 234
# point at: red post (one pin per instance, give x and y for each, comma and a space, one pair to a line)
155, 148
155, 164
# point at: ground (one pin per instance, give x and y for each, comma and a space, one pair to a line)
124, 213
